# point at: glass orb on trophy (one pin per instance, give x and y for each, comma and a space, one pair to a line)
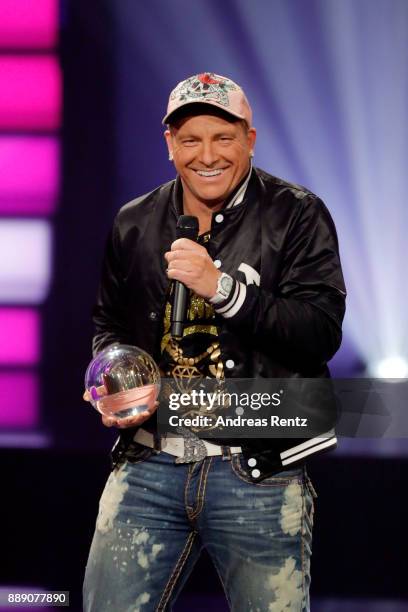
122, 381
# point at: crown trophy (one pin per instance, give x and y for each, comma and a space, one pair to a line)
122, 381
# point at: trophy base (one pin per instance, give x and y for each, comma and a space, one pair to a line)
130, 412
128, 403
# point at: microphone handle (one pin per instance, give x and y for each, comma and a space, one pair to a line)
179, 310
187, 227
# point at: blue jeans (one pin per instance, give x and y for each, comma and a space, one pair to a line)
155, 517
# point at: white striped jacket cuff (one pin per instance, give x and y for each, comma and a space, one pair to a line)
299, 452
233, 304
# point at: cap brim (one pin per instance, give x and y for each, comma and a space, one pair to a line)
166, 120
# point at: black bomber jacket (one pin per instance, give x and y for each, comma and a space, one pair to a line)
280, 244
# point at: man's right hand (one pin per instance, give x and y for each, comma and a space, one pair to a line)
132, 421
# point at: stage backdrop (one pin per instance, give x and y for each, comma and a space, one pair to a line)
328, 84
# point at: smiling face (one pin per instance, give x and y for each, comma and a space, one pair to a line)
211, 154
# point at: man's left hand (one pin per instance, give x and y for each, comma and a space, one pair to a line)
190, 263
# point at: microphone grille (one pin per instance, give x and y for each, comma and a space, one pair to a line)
187, 227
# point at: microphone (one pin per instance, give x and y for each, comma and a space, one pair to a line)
187, 227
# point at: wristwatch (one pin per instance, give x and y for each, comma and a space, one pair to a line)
224, 286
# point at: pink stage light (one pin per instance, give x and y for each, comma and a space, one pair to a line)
20, 336
18, 400
30, 93
28, 24
29, 171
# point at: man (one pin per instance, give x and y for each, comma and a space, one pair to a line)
266, 300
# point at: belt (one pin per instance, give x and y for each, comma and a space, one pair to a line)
175, 445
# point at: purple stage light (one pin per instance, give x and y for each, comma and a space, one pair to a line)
20, 336
30, 93
28, 24
25, 261
29, 169
18, 400
24, 439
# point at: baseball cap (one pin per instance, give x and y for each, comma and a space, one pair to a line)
212, 89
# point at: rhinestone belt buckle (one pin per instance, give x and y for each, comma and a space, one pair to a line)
194, 448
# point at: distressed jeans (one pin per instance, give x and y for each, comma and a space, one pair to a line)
155, 517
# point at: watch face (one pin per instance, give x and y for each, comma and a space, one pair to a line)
226, 283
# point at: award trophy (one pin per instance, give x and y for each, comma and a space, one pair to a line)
122, 381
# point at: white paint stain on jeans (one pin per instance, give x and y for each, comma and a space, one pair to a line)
287, 587
291, 511
145, 557
143, 598
113, 494
142, 559
140, 536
